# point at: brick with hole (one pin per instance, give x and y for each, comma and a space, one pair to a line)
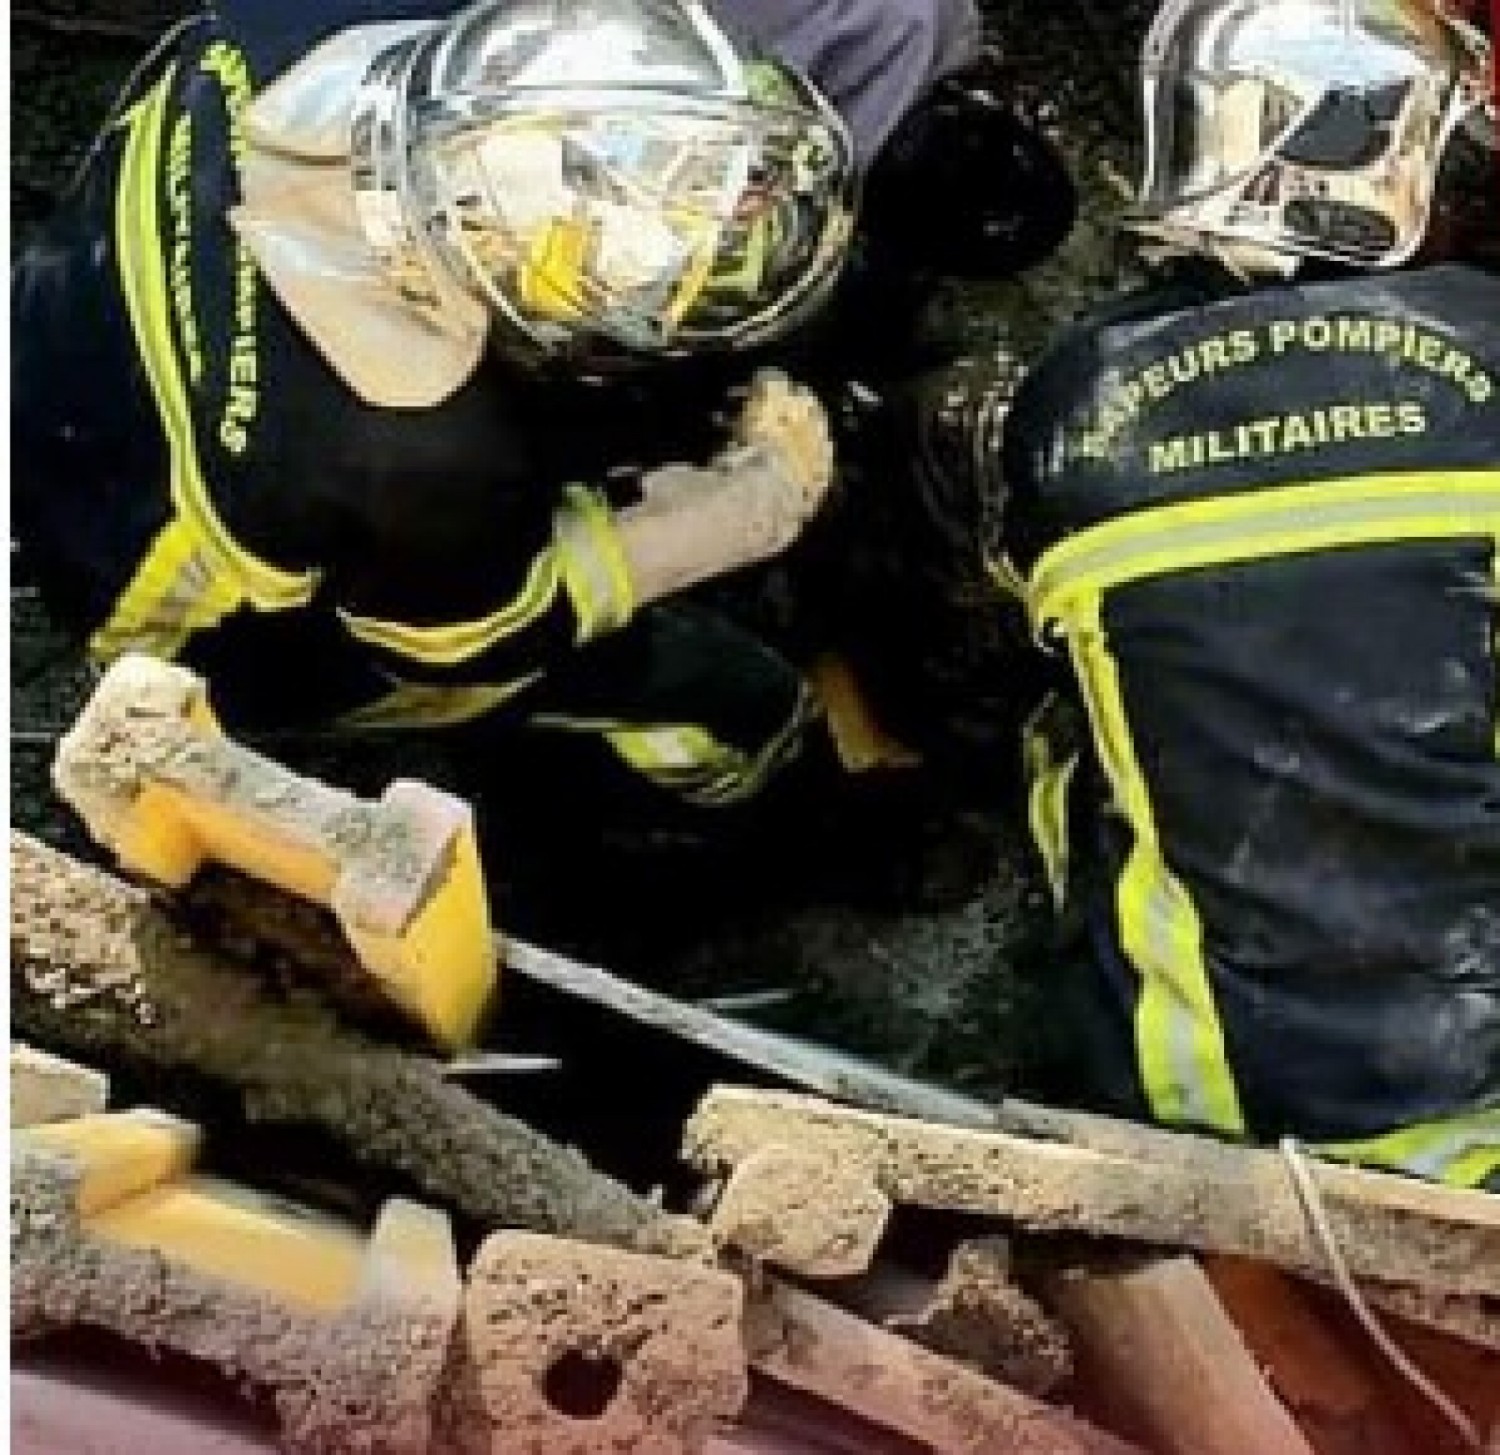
347, 1331
571, 1349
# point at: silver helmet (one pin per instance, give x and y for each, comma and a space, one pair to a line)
1311, 128
600, 178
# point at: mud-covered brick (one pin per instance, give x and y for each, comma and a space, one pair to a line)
820, 1217
571, 1349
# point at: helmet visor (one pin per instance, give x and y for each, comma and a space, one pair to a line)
653, 228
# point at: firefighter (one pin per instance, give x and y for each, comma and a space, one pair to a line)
327, 374
1254, 512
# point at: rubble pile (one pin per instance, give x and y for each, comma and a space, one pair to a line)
423, 1272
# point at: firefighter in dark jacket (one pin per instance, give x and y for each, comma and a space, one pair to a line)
308, 369
1255, 510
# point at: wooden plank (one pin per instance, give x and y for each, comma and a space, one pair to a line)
1208, 1196
1468, 1374
812, 1346
1319, 1372
1153, 1333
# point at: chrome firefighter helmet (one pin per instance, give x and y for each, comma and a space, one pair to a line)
601, 178
1312, 128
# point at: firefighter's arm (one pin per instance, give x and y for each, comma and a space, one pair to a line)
697, 522
458, 574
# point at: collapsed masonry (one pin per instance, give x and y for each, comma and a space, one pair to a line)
1167, 1286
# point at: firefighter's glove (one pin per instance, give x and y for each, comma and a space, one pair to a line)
751, 502
787, 421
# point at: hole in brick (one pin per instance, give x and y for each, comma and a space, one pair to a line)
582, 1386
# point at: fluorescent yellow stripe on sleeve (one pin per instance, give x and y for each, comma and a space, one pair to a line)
194, 573
1461, 1151
175, 592
413, 705
452, 643
595, 573
1049, 778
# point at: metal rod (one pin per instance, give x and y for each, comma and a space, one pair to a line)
815, 1068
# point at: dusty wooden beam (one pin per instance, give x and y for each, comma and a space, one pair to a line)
101, 973
1209, 1196
1154, 1341
825, 1351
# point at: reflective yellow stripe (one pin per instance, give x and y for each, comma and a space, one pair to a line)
455, 642
175, 592
1049, 778
550, 277
688, 760
1462, 1151
595, 573
1495, 637
1282, 521
1179, 1039
430, 705
229, 575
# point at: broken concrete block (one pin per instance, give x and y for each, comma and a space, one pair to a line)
978, 1314
570, 1349
348, 1332
811, 1215
45, 1088
158, 784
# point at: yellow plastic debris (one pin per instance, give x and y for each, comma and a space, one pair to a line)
158, 783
